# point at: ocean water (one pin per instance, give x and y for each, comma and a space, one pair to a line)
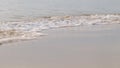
25, 19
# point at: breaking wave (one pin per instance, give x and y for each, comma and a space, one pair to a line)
29, 29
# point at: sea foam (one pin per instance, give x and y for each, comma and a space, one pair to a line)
30, 29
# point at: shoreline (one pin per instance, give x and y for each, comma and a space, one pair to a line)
47, 32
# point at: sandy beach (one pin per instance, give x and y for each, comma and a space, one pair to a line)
71, 47
59, 33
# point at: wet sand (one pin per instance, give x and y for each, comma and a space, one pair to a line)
72, 47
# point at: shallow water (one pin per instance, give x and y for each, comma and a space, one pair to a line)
25, 19
11, 10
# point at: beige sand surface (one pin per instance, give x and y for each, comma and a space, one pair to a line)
72, 47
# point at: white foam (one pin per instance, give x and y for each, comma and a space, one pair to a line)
19, 36
39, 24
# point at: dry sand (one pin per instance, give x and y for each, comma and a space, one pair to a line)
72, 47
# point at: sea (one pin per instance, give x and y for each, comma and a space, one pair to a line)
25, 19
